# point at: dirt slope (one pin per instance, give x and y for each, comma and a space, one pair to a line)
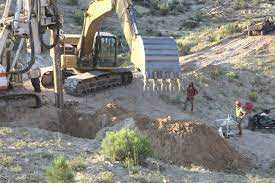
191, 143
248, 58
251, 59
232, 51
27, 152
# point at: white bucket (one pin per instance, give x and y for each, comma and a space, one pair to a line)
3, 79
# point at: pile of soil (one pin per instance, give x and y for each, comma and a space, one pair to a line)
190, 143
112, 113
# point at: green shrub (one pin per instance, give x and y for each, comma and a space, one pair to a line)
174, 5
190, 24
240, 4
164, 9
206, 37
126, 145
216, 73
232, 75
256, 2
186, 44
59, 171
105, 177
79, 17
72, 2
6, 160
4, 131
215, 39
253, 96
229, 29
198, 17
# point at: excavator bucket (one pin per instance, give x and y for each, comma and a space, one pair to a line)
156, 57
158, 60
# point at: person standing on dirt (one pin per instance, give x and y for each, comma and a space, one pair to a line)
34, 75
249, 107
191, 93
240, 114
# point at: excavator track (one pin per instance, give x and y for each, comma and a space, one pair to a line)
29, 100
93, 81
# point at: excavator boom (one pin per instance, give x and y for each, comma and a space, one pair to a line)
154, 56
91, 63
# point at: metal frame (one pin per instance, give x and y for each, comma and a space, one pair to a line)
21, 23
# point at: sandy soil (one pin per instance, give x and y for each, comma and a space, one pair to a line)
216, 95
191, 143
27, 152
135, 100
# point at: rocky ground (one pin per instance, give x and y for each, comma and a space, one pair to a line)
26, 152
28, 146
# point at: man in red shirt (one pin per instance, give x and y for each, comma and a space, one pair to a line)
191, 93
249, 107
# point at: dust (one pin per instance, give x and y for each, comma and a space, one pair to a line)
190, 143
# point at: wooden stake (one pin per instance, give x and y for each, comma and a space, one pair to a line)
57, 72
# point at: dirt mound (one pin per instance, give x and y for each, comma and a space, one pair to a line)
191, 143
111, 113
87, 125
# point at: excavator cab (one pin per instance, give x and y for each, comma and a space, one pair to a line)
105, 50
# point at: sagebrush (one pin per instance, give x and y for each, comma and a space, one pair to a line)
232, 75
207, 36
59, 171
126, 144
72, 2
253, 96
79, 17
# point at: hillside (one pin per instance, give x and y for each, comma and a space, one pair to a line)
223, 62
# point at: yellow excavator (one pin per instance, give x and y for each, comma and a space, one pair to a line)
89, 60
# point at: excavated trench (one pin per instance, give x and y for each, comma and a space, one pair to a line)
74, 122
184, 143
86, 125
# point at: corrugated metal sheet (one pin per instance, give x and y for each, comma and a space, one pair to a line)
161, 55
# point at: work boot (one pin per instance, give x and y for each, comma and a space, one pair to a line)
240, 133
36, 85
37, 90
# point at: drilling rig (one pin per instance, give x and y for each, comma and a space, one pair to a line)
25, 28
88, 61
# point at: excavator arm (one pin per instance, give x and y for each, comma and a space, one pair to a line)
156, 57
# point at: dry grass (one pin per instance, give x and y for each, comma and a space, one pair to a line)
232, 76
72, 2
105, 177
42, 155
6, 131
19, 144
2, 143
6, 160
209, 36
78, 163
257, 179
16, 169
